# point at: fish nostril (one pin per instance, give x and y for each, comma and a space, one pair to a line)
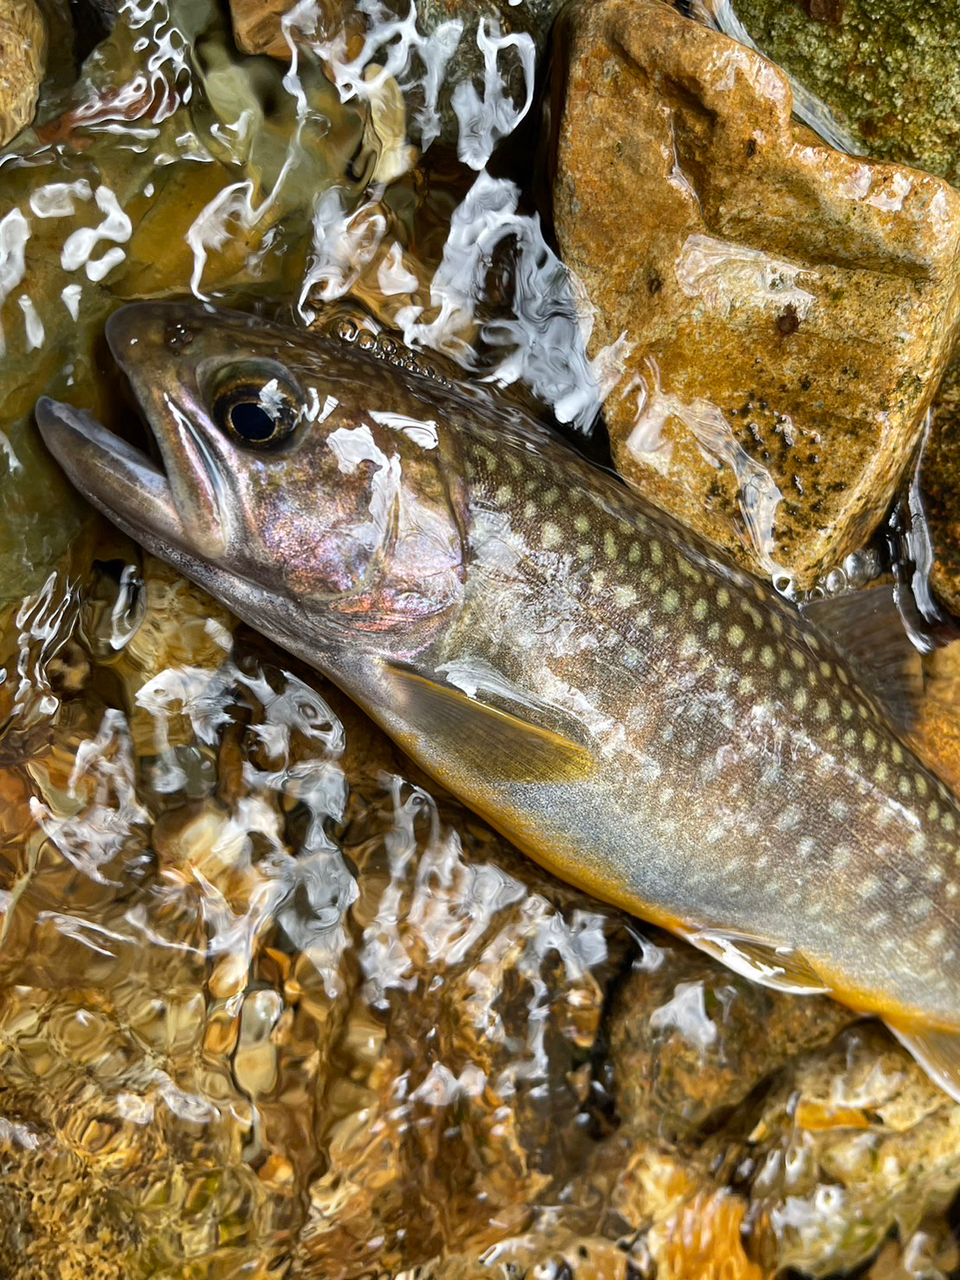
178, 335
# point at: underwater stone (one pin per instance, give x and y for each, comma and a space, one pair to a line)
489, 45
790, 308
23, 46
853, 1142
690, 1039
886, 69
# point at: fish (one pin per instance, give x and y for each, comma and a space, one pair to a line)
642, 718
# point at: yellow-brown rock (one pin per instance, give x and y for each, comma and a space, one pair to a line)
257, 26
789, 309
23, 43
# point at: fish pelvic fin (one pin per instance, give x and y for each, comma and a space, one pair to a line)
486, 740
937, 1052
760, 961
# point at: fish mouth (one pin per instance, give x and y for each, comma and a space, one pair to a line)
113, 474
145, 498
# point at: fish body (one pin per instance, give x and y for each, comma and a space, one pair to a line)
637, 715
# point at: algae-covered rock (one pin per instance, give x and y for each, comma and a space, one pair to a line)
23, 43
789, 309
886, 68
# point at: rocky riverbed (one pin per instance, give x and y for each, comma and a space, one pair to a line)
271, 1002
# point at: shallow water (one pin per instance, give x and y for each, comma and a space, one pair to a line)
272, 1003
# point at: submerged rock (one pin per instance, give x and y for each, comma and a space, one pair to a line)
790, 308
23, 44
467, 68
886, 68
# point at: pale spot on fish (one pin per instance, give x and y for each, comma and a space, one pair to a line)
581, 524
800, 700
597, 579
723, 597
633, 555
699, 610
624, 597
551, 535
822, 709
610, 545
503, 495
736, 635
788, 818
530, 510
584, 551
656, 552
768, 658
842, 855
670, 601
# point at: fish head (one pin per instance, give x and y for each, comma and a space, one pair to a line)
291, 463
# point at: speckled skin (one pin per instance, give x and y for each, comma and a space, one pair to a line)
737, 777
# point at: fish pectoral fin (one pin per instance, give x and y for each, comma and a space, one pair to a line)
938, 1052
496, 744
866, 626
760, 961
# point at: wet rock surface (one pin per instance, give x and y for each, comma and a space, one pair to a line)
23, 44
886, 68
790, 308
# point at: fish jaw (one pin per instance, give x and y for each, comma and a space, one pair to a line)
112, 474
196, 465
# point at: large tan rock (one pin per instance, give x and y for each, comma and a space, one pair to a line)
789, 308
23, 44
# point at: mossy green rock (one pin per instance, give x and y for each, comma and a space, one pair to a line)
886, 68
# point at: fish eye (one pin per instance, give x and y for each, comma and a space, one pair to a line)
257, 404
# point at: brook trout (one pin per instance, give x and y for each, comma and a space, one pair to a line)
641, 718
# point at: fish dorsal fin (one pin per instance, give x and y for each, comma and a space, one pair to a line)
866, 627
938, 1052
495, 744
760, 961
